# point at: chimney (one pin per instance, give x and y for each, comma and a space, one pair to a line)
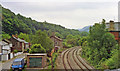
13, 35
111, 25
111, 21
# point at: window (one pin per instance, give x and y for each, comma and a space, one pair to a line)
35, 62
56, 43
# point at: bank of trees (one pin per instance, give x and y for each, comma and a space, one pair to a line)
100, 47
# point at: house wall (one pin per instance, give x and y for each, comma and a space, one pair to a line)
113, 26
4, 57
44, 60
22, 46
11, 55
6, 49
16, 45
57, 42
0, 49
26, 45
116, 34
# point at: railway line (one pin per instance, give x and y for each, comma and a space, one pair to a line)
73, 62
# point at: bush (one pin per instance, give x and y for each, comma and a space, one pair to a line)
15, 51
37, 48
67, 45
114, 61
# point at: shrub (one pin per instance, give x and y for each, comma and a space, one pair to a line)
15, 51
37, 48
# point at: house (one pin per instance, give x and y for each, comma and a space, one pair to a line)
10, 44
57, 42
26, 45
114, 28
5, 51
37, 60
18, 44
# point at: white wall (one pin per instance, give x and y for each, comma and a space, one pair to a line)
18, 53
27, 45
5, 48
4, 57
11, 55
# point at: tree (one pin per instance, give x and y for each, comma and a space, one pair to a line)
42, 38
24, 36
37, 48
82, 40
99, 46
6, 36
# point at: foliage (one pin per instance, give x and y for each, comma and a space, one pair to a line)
24, 36
82, 40
15, 51
42, 38
99, 45
71, 40
15, 24
114, 61
37, 48
54, 57
6, 36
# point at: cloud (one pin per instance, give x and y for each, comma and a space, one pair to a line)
69, 14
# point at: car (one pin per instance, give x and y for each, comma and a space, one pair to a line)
18, 64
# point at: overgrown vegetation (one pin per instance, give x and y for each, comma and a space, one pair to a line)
37, 48
54, 57
100, 48
15, 51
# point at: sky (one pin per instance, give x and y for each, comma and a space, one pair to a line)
72, 14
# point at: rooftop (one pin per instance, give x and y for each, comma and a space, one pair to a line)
20, 40
18, 59
56, 38
3, 43
6, 40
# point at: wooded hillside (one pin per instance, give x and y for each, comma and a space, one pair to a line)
15, 24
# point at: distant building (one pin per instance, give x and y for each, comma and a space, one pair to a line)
5, 51
56, 41
18, 44
114, 28
37, 60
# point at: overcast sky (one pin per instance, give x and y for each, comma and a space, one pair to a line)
72, 14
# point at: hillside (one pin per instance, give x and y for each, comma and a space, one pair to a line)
86, 29
15, 24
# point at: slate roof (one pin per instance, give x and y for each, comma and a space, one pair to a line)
6, 40
18, 59
56, 38
3, 43
20, 40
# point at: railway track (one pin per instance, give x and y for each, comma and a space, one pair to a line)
88, 66
76, 63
